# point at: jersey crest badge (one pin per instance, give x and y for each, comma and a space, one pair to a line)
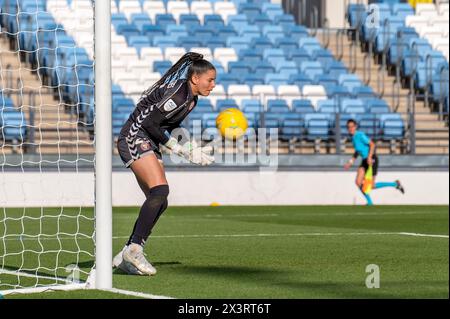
170, 105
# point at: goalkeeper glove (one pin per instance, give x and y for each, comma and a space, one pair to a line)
191, 151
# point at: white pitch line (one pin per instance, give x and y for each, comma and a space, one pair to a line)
242, 215
35, 290
28, 275
290, 235
250, 235
424, 235
135, 294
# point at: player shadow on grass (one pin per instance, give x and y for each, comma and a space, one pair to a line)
300, 287
84, 264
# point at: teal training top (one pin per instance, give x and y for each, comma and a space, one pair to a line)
361, 143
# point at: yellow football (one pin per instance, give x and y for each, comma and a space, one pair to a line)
231, 123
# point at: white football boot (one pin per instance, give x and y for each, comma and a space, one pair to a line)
117, 260
134, 254
125, 266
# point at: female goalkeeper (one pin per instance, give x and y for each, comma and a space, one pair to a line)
160, 110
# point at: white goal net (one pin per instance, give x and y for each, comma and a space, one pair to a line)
47, 219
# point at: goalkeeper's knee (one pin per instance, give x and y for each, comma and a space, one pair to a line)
159, 194
158, 199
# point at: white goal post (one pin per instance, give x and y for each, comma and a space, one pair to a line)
103, 146
55, 66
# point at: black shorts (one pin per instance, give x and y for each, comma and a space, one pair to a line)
374, 165
145, 147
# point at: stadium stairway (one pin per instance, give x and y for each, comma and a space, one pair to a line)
56, 130
431, 133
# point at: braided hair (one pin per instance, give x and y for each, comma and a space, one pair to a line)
189, 64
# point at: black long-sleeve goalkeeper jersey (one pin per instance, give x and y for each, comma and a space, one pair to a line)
163, 110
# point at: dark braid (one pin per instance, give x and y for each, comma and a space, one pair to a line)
178, 70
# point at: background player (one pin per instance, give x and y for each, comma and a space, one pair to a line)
365, 148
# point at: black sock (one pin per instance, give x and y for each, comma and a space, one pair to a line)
153, 207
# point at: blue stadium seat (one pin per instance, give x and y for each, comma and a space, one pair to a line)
299, 56
273, 32
363, 92
426, 69
300, 80
274, 56
140, 19
370, 124
303, 106
350, 81
189, 42
286, 44
239, 67
263, 68
226, 31
249, 9
309, 44
252, 106
213, 20
164, 42
118, 19
337, 91
238, 21
175, 30
189, 20
392, 126
284, 20
277, 106
272, 9
286, 67
13, 123
292, 128
228, 79
226, 104
312, 69
250, 31
317, 126
377, 106
295, 32
353, 106
325, 79
402, 10
260, 20
277, 79
138, 42
162, 66
328, 106
238, 43
440, 83
324, 56
152, 31
164, 20
356, 14
335, 68
251, 56
253, 79
202, 32
261, 43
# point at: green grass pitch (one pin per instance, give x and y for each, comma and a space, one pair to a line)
260, 252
